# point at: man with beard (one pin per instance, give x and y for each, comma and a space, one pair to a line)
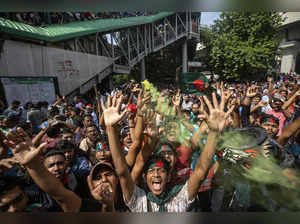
271, 126
88, 144
157, 170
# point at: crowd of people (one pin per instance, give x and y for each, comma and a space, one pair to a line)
142, 149
51, 18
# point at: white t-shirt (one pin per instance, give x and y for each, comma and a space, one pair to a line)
179, 203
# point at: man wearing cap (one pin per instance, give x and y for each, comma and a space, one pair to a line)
156, 197
102, 180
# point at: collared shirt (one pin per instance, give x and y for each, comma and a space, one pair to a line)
179, 203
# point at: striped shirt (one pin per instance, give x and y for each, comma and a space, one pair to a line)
179, 203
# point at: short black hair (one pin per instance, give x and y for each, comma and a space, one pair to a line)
92, 125
52, 152
64, 145
76, 110
87, 115
66, 131
53, 110
153, 159
15, 102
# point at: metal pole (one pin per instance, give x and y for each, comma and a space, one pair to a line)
184, 56
110, 82
143, 69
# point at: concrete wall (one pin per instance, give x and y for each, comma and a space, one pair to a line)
291, 17
290, 47
72, 69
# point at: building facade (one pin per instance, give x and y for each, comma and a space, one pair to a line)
290, 45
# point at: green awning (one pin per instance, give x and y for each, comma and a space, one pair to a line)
71, 30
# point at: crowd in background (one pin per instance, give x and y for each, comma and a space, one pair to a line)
140, 149
51, 18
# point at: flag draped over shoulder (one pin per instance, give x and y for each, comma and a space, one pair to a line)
193, 83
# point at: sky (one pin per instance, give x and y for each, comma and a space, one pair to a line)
207, 18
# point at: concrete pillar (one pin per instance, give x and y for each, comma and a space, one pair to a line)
289, 51
184, 57
143, 70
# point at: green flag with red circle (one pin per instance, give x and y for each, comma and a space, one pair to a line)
193, 83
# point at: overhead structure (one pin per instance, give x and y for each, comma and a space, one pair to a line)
126, 40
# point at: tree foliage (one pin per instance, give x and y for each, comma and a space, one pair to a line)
244, 44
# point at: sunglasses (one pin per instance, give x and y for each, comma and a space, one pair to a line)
18, 199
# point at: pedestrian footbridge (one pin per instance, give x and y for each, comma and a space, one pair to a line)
80, 54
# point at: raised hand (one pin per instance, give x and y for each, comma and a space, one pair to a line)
101, 192
111, 111
176, 99
7, 164
216, 119
252, 91
262, 103
22, 147
142, 100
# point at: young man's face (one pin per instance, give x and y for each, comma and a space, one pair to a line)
56, 165
256, 100
173, 132
106, 176
276, 106
67, 113
92, 133
68, 137
271, 128
127, 141
87, 121
103, 153
15, 106
283, 94
156, 179
15, 200
69, 154
195, 108
170, 157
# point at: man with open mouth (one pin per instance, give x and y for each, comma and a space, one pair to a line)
156, 197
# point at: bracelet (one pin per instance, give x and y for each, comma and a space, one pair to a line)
131, 127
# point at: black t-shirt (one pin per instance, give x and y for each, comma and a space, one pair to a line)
90, 205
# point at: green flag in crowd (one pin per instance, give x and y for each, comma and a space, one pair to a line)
193, 83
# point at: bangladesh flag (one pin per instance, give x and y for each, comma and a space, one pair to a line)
193, 83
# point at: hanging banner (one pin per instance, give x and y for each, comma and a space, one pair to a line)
29, 89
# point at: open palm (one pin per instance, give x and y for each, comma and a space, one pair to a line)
111, 111
216, 119
22, 147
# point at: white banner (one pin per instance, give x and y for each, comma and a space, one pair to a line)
29, 89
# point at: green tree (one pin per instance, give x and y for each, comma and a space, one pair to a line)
244, 44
